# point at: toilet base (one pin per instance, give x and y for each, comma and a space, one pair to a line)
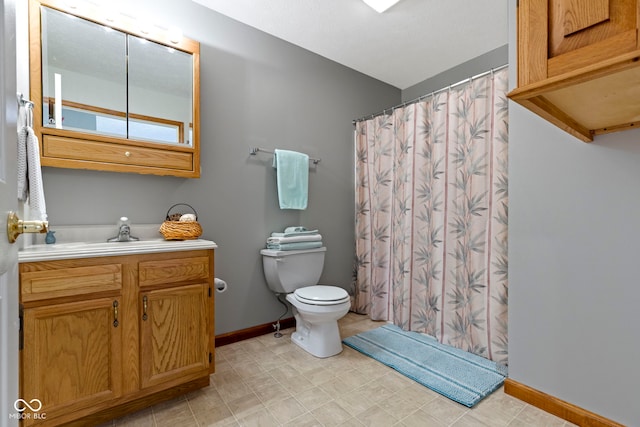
319, 339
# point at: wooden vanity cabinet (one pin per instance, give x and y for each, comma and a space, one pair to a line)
579, 63
106, 336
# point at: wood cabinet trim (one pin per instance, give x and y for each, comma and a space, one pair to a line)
164, 272
74, 150
594, 53
532, 41
550, 112
38, 285
84, 136
587, 73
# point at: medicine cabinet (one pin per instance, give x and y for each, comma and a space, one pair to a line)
112, 92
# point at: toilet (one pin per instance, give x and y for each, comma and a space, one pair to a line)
316, 308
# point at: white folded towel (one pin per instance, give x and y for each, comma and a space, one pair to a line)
295, 239
293, 233
30, 174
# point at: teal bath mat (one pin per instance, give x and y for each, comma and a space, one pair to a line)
461, 376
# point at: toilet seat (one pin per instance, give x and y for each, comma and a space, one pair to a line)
321, 295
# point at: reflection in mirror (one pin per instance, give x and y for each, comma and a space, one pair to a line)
83, 88
147, 98
160, 92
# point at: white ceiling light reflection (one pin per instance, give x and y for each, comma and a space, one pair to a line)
380, 5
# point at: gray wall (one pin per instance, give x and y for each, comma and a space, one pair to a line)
256, 90
492, 59
573, 263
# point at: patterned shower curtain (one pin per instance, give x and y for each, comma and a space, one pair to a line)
431, 216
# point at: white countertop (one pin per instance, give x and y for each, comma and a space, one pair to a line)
68, 250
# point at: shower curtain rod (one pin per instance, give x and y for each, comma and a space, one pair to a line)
420, 98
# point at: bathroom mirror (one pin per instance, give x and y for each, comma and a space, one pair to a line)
111, 96
90, 83
159, 115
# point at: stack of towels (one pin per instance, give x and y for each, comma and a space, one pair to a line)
294, 238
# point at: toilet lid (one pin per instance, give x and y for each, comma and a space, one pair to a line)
321, 295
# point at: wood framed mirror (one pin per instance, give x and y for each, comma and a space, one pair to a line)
113, 93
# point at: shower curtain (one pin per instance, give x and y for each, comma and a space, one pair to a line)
431, 216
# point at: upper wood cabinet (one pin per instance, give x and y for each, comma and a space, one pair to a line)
578, 64
112, 92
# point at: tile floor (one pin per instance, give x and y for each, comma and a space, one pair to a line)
267, 381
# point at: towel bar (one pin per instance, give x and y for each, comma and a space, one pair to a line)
254, 150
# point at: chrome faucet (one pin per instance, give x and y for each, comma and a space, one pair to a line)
124, 232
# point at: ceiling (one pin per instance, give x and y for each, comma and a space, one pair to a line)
410, 42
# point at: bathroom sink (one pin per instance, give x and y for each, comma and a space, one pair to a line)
67, 250
64, 246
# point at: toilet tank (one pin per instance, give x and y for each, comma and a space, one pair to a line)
287, 271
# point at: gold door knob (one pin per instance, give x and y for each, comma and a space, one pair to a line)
16, 226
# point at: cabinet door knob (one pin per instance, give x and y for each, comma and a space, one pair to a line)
127, 153
144, 307
115, 313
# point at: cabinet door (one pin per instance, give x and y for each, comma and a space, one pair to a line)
559, 36
72, 355
583, 32
174, 334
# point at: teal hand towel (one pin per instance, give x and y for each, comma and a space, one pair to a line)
292, 170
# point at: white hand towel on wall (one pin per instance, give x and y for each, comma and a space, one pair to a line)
30, 173
23, 185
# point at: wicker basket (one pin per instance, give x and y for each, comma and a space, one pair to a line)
174, 229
